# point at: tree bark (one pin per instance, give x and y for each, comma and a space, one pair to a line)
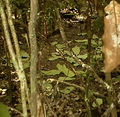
34, 51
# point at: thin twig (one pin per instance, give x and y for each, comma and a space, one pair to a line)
67, 83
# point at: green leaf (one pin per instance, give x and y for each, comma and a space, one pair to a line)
65, 78
55, 53
69, 59
99, 57
60, 46
94, 44
4, 111
99, 101
76, 50
100, 42
59, 66
76, 64
82, 41
82, 56
67, 90
94, 104
81, 73
67, 52
54, 57
65, 70
95, 36
90, 94
54, 43
116, 79
51, 72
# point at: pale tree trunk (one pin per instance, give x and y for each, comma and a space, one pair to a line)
33, 47
14, 53
36, 105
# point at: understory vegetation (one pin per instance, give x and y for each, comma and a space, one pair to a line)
62, 61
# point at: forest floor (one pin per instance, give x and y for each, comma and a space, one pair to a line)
62, 99
71, 104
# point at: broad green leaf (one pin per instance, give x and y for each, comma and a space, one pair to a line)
4, 111
67, 52
76, 64
51, 72
99, 101
81, 73
76, 50
82, 56
55, 53
60, 46
82, 41
54, 58
67, 90
70, 73
67, 71
54, 43
59, 66
94, 104
78, 40
65, 78
69, 59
